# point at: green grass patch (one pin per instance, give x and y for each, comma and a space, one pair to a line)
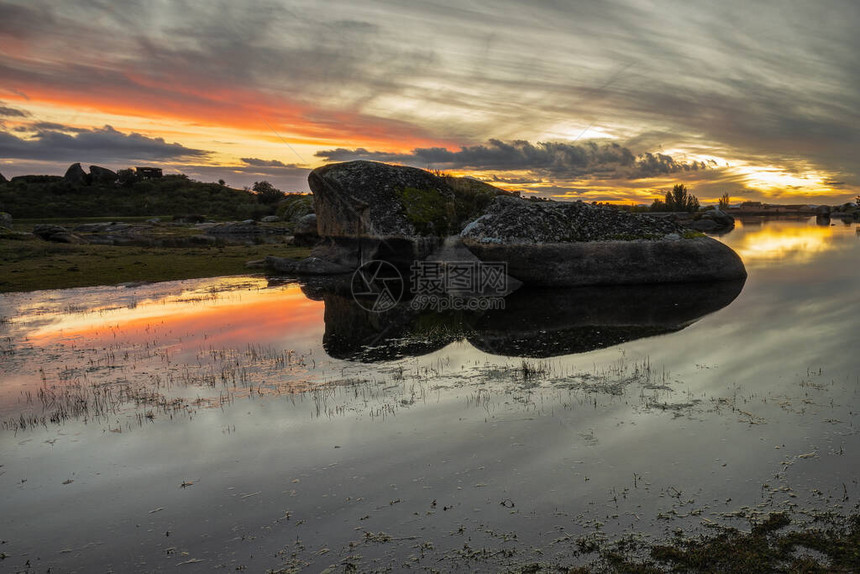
32, 264
831, 544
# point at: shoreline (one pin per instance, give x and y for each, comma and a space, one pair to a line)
32, 264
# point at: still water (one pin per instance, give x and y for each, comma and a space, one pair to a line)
245, 423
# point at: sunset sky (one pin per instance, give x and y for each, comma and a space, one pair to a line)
592, 100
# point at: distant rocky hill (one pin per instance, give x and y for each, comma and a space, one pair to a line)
101, 192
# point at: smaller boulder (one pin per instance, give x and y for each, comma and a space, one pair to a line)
5, 220
305, 232
822, 211
704, 224
712, 220
56, 233
102, 175
76, 175
270, 219
720, 217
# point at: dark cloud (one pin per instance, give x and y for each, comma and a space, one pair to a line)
13, 112
558, 160
47, 126
103, 145
255, 162
653, 165
502, 180
53, 127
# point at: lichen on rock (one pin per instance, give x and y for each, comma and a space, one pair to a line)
516, 220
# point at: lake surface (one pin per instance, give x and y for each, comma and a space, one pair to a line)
242, 423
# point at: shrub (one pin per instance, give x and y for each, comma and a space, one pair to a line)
267, 193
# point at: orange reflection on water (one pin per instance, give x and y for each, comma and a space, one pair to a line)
252, 315
784, 241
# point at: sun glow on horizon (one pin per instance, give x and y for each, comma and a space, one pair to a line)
784, 182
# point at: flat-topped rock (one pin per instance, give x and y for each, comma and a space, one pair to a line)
637, 262
575, 244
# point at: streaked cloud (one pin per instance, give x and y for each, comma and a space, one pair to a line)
769, 88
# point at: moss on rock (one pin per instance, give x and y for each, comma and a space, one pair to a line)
428, 210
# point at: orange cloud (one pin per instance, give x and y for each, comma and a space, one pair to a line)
235, 107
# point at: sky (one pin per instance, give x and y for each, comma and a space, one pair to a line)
593, 100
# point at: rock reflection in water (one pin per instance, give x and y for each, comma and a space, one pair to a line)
535, 322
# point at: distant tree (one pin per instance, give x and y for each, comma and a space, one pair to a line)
658, 205
857, 200
222, 183
679, 199
725, 200
267, 193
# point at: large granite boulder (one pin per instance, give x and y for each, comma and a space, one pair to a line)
575, 244
102, 175
368, 210
374, 210
369, 199
76, 175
